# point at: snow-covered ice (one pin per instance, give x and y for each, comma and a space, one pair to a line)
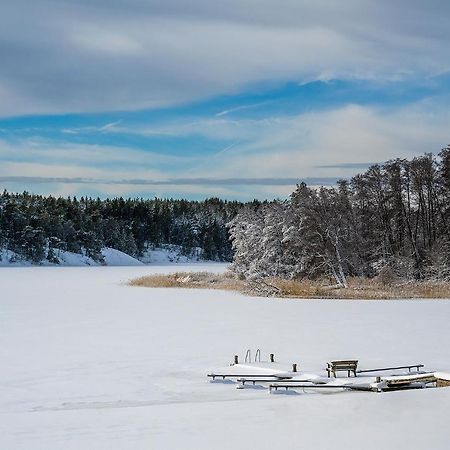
88, 362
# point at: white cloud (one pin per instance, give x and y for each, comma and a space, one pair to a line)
320, 144
298, 146
69, 56
110, 42
50, 152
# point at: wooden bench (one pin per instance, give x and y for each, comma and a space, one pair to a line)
348, 365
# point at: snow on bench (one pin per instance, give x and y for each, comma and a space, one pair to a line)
347, 365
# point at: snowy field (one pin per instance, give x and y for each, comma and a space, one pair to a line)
90, 363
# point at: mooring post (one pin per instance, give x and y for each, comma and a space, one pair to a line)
272, 358
294, 367
236, 359
378, 380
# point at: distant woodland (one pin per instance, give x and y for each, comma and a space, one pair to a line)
36, 227
392, 221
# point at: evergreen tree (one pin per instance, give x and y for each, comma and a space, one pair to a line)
37, 227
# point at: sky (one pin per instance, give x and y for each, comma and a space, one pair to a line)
240, 99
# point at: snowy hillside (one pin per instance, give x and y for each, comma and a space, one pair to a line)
111, 256
170, 254
91, 363
9, 258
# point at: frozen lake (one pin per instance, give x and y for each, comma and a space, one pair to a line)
91, 363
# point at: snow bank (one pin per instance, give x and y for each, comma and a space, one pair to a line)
72, 259
115, 257
9, 258
169, 254
112, 257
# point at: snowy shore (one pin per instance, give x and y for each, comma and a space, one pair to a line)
111, 257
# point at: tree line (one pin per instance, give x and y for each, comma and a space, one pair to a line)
37, 227
392, 220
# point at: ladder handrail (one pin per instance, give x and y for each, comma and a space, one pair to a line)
248, 356
412, 366
258, 355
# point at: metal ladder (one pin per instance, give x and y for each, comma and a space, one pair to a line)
248, 356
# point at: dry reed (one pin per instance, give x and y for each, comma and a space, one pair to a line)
358, 288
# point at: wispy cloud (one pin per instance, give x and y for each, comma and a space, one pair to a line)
347, 165
174, 181
240, 108
226, 149
108, 127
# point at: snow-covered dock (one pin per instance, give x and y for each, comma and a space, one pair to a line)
270, 376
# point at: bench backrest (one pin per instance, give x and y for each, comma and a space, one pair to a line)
352, 363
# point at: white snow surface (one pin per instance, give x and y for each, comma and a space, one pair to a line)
88, 362
169, 254
112, 257
9, 258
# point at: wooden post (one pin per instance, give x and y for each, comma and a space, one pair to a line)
271, 357
236, 359
294, 367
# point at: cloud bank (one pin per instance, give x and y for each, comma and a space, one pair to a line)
270, 156
60, 56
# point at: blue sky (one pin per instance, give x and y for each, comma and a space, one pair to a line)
168, 99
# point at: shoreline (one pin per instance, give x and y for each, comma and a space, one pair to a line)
358, 288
